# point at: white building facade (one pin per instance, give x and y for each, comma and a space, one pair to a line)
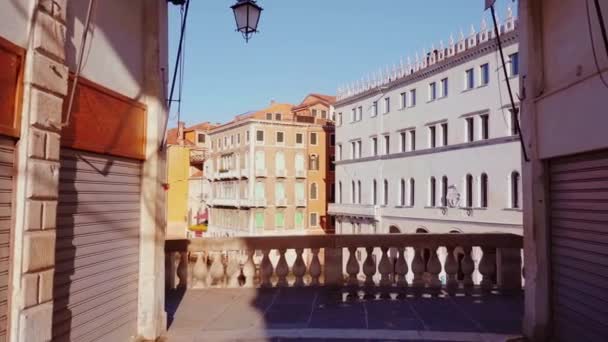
431, 145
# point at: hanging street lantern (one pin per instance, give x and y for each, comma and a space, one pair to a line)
247, 15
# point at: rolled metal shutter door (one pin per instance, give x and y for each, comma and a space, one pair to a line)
7, 155
97, 251
579, 247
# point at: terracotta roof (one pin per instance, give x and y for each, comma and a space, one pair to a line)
329, 98
313, 99
172, 138
204, 126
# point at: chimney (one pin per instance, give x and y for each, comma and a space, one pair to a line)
180, 133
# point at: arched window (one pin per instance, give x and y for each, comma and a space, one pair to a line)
468, 186
313, 162
394, 230
385, 200
432, 192
515, 190
444, 191
483, 191
313, 191
374, 192
353, 193
359, 192
412, 192
402, 192
339, 192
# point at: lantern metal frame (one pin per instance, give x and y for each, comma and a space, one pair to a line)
250, 28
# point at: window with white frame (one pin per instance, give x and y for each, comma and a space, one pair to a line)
353, 116
277, 116
514, 64
468, 190
469, 79
359, 113
339, 192
299, 138
403, 100
444, 134
313, 191
387, 144
339, 151
432, 192
353, 150
484, 71
483, 191
485, 126
444, 87
413, 98
374, 146
402, 192
387, 105
432, 91
412, 139
259, 136
358, 148
470, 129
280, 137
359, 191
385, 193
411, 192
339, 119
432, 136
353, 192
313, 138
268, 116
314, 219
515, 190
374, 108
374, 192
444, 191
402, 141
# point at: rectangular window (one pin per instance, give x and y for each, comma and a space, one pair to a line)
339, 151
324, 114
299, 138
279, 219
403, 141
485, 74
277, 116
485, 128
314, 113
374, 147
300, 191
238, 138
353, 150
432, 136
359, 149
469, 79
201, 138
339, 119
514, 61
413, 98
332, 140
247, 136
403, 100
313, 219
444, 87
353, 116
387, 144
313, 138
259, 136
444, 134
259, 220
375, 108
268, 116
432, 91
299, 219
470, 129
387, 105
280, 137
359, 113
412, 140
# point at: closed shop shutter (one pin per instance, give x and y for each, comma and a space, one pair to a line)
7, 152
97, 251
579, 247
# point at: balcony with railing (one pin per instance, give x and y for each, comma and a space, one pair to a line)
350, 209
197, 156
461, 287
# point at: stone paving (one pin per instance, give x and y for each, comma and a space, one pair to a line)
323, 314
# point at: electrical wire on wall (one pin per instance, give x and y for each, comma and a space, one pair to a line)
600, 18
178, 63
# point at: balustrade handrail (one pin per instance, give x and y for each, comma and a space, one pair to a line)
496, 240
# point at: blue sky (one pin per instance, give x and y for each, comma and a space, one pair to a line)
303, 46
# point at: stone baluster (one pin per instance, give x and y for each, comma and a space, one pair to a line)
315, 267
401, 268
182, 265
282, 269
199, 271
352, 266
433, 267
418, 267
233, 270
299, 268
451, 270
249, 269
216, 272
369, 266
467, 267
266, 269
385, 268
487, 267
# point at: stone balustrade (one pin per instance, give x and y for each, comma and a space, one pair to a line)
432, 263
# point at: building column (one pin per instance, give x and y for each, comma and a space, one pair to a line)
151, 322
37, 175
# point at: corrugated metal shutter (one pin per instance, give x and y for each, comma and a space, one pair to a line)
7, 155
579, 247
97, 252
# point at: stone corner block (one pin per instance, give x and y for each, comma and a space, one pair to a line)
33, 215
43, 179
53, 146
45, 286
36, 323
56, 8
46, 110
36, 146
49, 215
29, 283
38, 250
49, 74
50, 36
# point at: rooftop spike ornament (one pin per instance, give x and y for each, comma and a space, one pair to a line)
247, 16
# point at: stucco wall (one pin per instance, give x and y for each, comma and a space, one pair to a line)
15, 18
